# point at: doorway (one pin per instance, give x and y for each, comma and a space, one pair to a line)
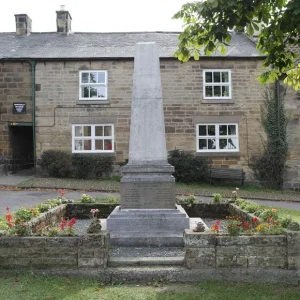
22, 148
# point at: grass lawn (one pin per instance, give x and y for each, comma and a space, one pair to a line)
202, 189
29, 286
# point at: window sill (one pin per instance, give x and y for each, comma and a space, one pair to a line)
97, 153
84, 102
217, 101
232, 154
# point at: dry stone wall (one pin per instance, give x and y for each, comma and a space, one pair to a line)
209, 250
86, 251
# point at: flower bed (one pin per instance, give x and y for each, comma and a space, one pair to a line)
247, 243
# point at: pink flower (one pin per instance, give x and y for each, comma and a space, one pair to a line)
94, 212
61, 192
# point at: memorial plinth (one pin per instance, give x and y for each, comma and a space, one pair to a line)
148, 215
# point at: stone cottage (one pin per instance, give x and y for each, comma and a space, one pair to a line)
72, 92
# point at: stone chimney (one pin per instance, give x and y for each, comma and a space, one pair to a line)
63, 20
23, 24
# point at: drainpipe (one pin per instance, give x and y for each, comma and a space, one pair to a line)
33, 64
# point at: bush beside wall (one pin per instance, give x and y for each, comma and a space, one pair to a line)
63, 164
188, 168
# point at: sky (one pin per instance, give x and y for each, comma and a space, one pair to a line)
95, 15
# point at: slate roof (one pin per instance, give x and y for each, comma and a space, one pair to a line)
103, 45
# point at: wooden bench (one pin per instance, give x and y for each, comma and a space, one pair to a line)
227, 173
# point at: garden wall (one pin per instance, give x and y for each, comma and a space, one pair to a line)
210, 250
86, 251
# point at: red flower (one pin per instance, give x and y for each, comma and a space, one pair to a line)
72, 222
63, 224
255, 219
246, 225
216, 226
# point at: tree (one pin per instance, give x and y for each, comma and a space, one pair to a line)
207, 26
269, 166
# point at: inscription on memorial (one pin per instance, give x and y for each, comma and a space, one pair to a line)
147, 195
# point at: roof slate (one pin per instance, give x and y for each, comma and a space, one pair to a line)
103, 45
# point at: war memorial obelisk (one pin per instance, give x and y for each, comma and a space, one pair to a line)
148, 215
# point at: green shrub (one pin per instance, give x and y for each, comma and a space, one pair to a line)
294, 226
87, 199
217, 198
26, 214
239, 201
43, 207
57, 163
79, 165
284, 222
269, 165
53, 202
90, 165
188, 168
252, 207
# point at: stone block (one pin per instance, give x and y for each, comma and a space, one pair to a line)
199, 239
91, 263
61, 242
233, 240
6, 261
86, 253
231, 261
266, 251
60, 251
231, 251
268, 262
43, 261
94, 240
270, 240
17, 242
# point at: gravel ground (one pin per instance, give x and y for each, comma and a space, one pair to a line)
82, 224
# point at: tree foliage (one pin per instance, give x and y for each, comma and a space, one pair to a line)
208, 24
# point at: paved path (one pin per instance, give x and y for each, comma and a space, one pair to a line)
27, 198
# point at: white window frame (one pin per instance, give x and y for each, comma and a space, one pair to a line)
212, 84
93, 138
217, 137
81, 85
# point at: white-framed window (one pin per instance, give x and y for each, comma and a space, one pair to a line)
217, 137
216, 84
93, 85
93, 138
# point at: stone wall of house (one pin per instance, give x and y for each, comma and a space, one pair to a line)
58, 104
15, 86
86, 251
292, 105
209, 250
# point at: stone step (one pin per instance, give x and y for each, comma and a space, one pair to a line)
145, 261
146, 239
149, 274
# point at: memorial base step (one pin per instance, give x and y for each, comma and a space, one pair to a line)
146, 239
